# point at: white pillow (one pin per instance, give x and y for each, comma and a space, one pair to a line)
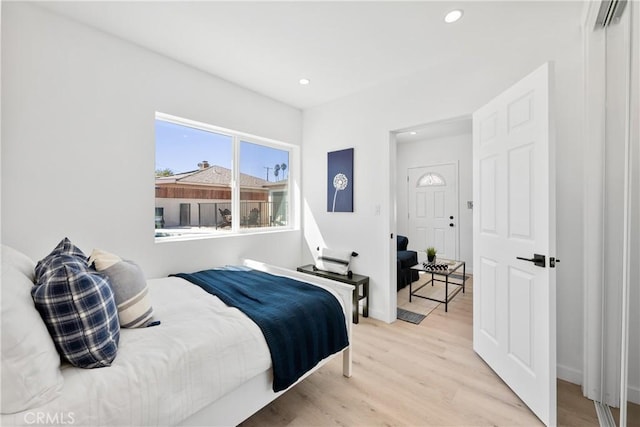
31, 374
334, 261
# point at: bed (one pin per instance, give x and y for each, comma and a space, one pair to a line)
206, 364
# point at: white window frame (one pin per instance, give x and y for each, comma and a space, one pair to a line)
293, 220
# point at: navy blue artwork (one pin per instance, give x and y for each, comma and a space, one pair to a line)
340, 181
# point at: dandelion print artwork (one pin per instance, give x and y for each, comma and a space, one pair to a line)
340, 181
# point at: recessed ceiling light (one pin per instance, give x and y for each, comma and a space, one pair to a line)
453, 16
305, 81
413, 132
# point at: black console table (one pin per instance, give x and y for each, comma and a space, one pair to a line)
356, 280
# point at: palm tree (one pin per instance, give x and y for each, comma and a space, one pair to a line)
275, 171
283, 167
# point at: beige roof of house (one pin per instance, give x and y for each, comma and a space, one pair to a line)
213, 175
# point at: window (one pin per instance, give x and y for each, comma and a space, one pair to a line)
199, 192
263, 199
431, 179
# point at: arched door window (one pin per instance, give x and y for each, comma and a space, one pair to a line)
431, 179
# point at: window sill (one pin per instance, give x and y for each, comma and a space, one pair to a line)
224, 234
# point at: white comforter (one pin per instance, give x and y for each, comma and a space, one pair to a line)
163, 374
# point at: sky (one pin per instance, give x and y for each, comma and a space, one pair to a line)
181, 148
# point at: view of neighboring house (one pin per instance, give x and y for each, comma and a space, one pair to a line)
202, 198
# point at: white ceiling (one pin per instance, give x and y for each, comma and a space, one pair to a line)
435, 130
343, 47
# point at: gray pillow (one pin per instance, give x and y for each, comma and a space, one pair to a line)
129, 288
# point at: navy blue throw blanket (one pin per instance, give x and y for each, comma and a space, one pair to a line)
301, 323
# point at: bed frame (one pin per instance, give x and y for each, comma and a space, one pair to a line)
250, 397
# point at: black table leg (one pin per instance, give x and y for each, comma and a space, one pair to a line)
356, 301
365, 293
464, 275
410, 291
446, 294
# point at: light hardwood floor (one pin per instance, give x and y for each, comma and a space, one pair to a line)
415, 375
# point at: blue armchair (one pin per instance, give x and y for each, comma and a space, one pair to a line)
405, 260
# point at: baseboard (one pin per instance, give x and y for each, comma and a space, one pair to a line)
575, 376
571, 375
375, 314
633, 394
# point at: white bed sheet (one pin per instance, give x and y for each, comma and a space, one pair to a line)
161, 375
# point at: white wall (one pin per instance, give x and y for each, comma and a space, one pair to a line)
78, 142
449, 149
364, 120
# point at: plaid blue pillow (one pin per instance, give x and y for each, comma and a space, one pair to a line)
78, 307
65, 247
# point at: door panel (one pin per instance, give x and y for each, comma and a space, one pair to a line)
520, 316
438, 205
521, 179
514, 300
488, 304
421, 206
519, 112
487, 195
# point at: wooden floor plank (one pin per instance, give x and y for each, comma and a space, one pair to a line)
415, 375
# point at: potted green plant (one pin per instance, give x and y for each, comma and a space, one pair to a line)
431, 254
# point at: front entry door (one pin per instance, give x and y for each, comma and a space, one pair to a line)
514, 300
433, 209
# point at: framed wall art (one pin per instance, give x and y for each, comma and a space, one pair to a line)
340, 181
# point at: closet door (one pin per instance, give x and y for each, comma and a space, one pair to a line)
612, 347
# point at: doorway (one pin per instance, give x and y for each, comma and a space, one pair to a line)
503, 184
185, 214
434, 145
444, 149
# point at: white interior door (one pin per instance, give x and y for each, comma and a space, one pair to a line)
514, 311
433, 209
